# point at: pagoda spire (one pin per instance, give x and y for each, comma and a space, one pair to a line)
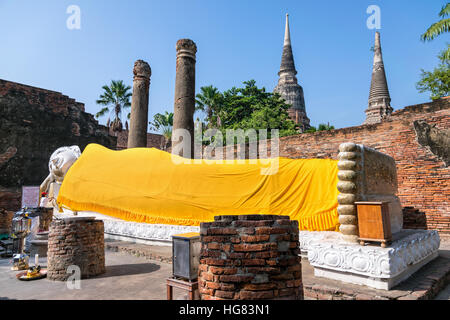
287, 34
287, 58
288, 86
379, 98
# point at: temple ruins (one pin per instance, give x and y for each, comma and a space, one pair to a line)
184, 105
137, 136
394, 162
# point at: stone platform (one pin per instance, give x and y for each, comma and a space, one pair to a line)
370, 265
426, 284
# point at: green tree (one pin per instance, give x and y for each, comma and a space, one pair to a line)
325, 127
437, 81
115, 98
207, 101
163, 123
251, 107
311, 129
439, 27
321, 127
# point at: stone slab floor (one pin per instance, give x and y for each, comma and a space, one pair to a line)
126, 277
136, 271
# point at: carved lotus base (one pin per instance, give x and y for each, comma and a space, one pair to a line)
371, 265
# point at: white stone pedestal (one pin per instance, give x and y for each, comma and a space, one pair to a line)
145, 233
370, 265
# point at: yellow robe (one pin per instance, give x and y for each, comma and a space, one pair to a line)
147, 185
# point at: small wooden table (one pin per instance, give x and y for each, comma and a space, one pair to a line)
181, 284
373, 222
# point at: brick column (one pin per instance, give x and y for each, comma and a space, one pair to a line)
250, 257
184, 107
6, 221
77, 241
137, 136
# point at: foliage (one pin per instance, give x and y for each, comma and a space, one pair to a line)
437, 81
163, 123
321, 127
439, 28
250, 107
208, 101
115, 98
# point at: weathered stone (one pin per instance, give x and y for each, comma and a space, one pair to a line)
243, 263
137, 136
433, 138
347, 147
346, 198
76, 242
379, 99
34, 123
288, 87
184, 107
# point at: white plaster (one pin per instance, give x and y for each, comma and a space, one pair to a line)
371, 265
373, 282
154, 234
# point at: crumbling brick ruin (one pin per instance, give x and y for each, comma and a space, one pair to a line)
416, 137
35, 122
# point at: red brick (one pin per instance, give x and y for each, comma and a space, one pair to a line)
258, 238
222, 231
224, 294
256, 295
219, 270
259, 287
235, 278
253, 262
270, 230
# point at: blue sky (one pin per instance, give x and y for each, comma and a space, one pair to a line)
236, 40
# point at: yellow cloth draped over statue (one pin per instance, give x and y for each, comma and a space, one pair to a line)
147, 185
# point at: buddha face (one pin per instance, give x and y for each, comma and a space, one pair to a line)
61, 160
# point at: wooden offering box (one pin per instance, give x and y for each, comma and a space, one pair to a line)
374, 222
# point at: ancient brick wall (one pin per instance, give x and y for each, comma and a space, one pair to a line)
250, 257
417, 137
5, 221
422, 168
153, 140
34, 122
55, 101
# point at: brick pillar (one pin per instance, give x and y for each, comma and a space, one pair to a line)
137, 136
77, 241
45, 218
184, 107
250, 257
6, 221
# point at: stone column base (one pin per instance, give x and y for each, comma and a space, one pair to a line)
372, 265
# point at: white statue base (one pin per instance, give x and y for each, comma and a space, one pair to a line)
145, 233
370, 265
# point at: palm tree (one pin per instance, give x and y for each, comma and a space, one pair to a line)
163, 122
439, 27
115, 97
208, 101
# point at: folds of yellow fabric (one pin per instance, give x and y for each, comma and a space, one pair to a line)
153, 186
